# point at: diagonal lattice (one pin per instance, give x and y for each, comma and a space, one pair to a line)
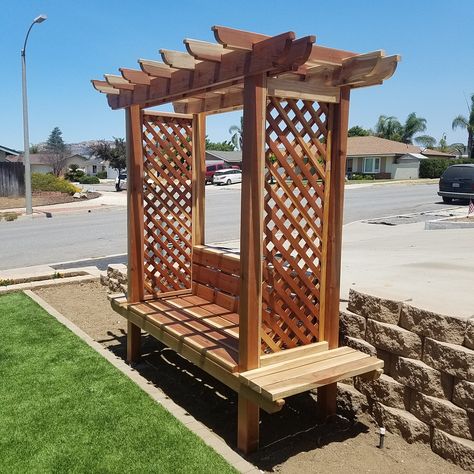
295, 179
167, 153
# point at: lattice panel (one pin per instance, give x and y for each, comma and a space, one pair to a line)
295, 178
167, 150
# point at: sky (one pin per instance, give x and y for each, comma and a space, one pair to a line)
83, 39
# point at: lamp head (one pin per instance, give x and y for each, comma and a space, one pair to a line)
40, 18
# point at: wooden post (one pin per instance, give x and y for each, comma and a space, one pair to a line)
251, 250
339, 121
135, 231
199, 177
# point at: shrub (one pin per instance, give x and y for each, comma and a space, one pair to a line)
8, 216
74, 173
435, 167
102, 174
49, 182
89, 180
362, 177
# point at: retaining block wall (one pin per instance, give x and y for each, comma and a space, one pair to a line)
115, 279
426, 393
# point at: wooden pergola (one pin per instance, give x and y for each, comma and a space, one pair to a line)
266, 323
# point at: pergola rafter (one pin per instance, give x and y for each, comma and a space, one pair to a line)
265, 323
296, 67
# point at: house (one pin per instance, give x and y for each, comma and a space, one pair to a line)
379, 157
230, 158
41, 163
387, 159
6, 152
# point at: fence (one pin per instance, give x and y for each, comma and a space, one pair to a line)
12, 179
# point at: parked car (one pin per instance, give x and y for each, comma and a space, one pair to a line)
457, 182
121, 182
227, 176
211, 169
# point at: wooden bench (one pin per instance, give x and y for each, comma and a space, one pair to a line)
202, 324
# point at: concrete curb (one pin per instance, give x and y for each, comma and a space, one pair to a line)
448, 223
210, 438
45, 283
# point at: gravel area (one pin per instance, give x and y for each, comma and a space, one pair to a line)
292, 441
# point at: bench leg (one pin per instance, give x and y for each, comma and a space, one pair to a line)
327, 400
247, 426
133, 342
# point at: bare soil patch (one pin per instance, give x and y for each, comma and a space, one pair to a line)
292, 441
42, 198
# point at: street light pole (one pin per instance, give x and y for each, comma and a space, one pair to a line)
26, 135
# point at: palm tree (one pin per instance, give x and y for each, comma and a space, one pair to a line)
413, 125
389, 128
237, 134
468, 123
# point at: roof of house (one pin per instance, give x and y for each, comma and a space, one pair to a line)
366, 146
39, 158
229, 156
428, 152
418, 156
9, 151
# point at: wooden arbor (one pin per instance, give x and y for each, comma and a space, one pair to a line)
265, 324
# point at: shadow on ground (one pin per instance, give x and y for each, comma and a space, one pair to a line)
293, 430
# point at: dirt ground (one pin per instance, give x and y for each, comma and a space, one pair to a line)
40, 199
292, 441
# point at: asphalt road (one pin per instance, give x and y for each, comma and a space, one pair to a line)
84, 235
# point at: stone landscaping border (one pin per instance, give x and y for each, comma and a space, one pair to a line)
426, 393
210, 438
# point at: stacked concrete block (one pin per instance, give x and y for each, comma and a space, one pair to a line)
426, 393
115, 279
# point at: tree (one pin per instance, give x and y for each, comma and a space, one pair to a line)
56, 151
34, 149
115, 154
412, 126
392, 129
237, 134
467, 123
426, 141
357, 131
219, 146
389, 128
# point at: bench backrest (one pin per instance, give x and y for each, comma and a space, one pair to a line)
215, 276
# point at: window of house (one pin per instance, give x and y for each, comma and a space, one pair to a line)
103, 168
94, 169
371, 165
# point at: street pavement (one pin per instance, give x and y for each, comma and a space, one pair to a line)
98, 228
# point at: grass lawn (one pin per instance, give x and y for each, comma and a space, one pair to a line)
63, 408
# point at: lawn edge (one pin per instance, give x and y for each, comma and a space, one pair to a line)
199, 429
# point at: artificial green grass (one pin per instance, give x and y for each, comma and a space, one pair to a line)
63, 408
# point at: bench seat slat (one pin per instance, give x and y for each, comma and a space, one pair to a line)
221, 347
301, 374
